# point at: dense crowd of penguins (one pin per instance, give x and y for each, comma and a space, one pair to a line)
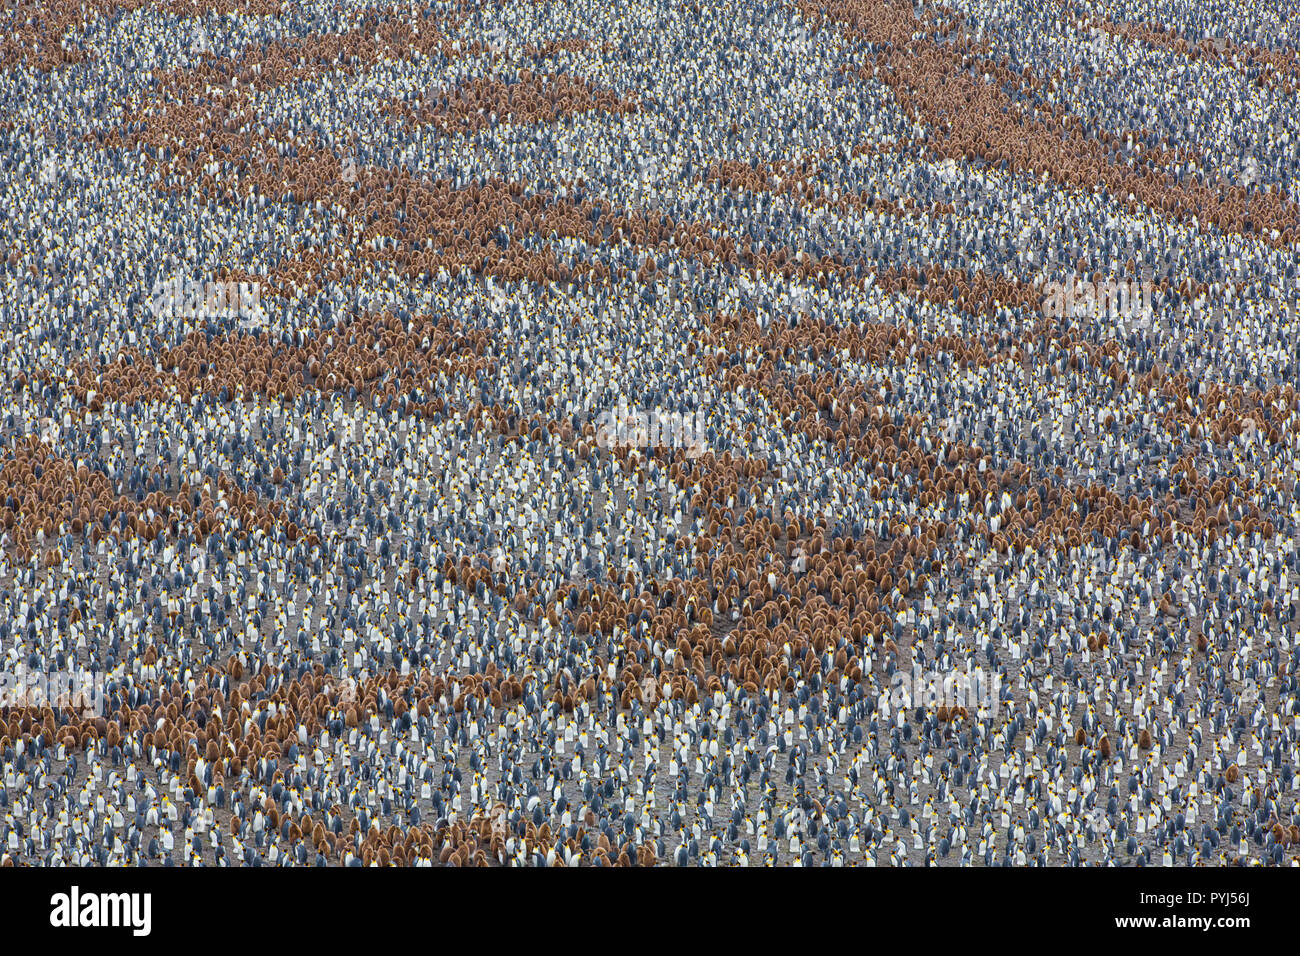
358, 581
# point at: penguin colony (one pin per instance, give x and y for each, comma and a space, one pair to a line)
360, 584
